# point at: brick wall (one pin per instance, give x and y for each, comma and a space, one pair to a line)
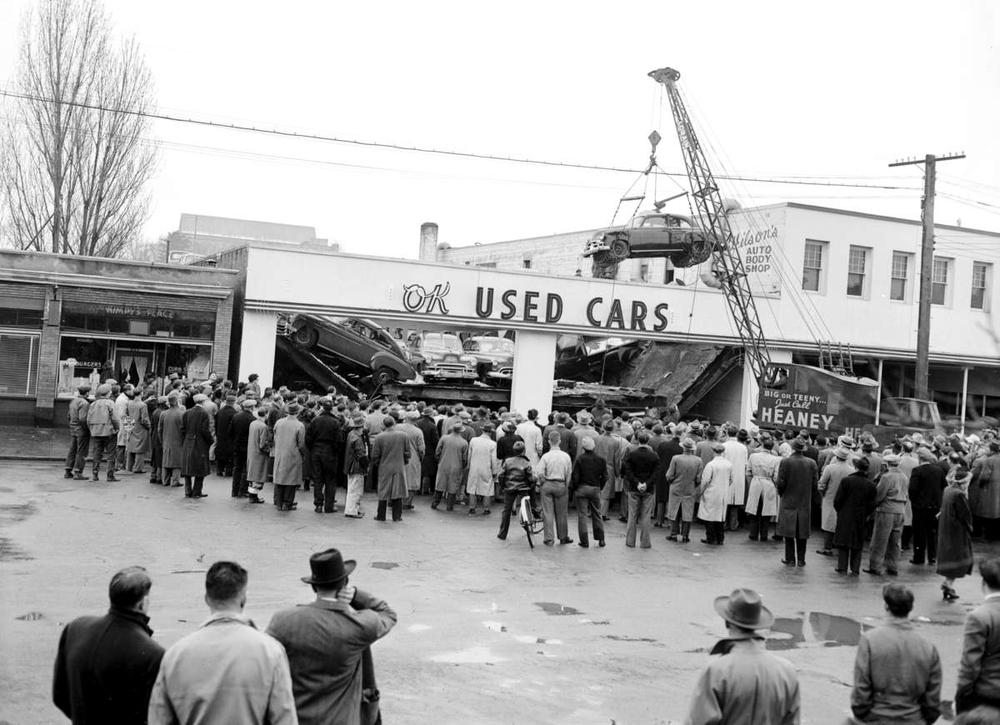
48, 361
223, 331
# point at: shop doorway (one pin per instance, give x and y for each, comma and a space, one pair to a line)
132, 364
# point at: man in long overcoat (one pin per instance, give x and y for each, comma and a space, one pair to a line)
196, 428
172, 440
241, 439
325, 439
391, 453
155, 442
452, 455
854, 502
833, 473
428, 463
682, 476
414, 468
289, 449
984, 492
258, 447
797, 478
224, 437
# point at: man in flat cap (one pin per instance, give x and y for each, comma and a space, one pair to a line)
746, 684
890, 502
328, 641
79, 442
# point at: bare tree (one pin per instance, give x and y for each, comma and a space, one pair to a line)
76, 161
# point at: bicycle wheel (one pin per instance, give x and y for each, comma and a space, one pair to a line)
527, 520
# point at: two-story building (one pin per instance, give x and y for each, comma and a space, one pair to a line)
825, 279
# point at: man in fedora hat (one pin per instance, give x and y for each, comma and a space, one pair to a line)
833, 473
747, 685
797, 478
327, 639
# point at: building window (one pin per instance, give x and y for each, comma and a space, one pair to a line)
857, 271
668, 274
644, 271
18, 364
526, 263
899, 284
981, 278
812, 266
940, 281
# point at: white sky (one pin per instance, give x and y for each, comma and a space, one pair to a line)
779, 88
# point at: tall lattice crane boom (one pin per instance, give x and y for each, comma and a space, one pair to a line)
725, 254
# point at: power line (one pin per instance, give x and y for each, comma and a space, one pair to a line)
283, 133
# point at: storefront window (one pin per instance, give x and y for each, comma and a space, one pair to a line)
92, 360
20, 318
18, 363
81, 360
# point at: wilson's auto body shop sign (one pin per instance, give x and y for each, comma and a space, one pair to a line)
423, 295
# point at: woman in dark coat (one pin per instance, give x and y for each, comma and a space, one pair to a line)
196, 427
955, 532
854, 503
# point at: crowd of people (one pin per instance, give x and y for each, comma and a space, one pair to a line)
929, 494
314, 663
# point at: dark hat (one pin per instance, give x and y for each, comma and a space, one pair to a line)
83, 389
329, 567
744, 609
326, 404
798, 444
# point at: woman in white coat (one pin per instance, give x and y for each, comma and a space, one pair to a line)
715, 480
483, 469
762, 497
258, 447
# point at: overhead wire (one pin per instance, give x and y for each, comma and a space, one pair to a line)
286, 133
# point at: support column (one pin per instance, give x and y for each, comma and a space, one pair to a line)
48, 359
257, 346
965, 395
878, 395
534, 368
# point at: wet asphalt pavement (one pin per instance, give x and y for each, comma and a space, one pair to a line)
488, 632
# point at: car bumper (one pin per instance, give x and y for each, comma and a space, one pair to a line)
450, 374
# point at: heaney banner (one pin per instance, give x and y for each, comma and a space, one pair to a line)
819, 401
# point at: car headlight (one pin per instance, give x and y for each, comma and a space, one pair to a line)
496, 364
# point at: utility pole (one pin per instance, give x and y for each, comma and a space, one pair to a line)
926, 267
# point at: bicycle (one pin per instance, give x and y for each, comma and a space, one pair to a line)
526, 516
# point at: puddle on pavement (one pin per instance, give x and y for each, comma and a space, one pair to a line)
829, 630
11, 514
384, 565
557, 609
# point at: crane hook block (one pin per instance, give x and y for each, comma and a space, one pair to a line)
665, 75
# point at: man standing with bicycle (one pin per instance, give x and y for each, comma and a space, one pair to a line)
516, 479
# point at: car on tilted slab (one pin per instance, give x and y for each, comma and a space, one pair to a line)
444, 357
648, 234
352, 345
494, 358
